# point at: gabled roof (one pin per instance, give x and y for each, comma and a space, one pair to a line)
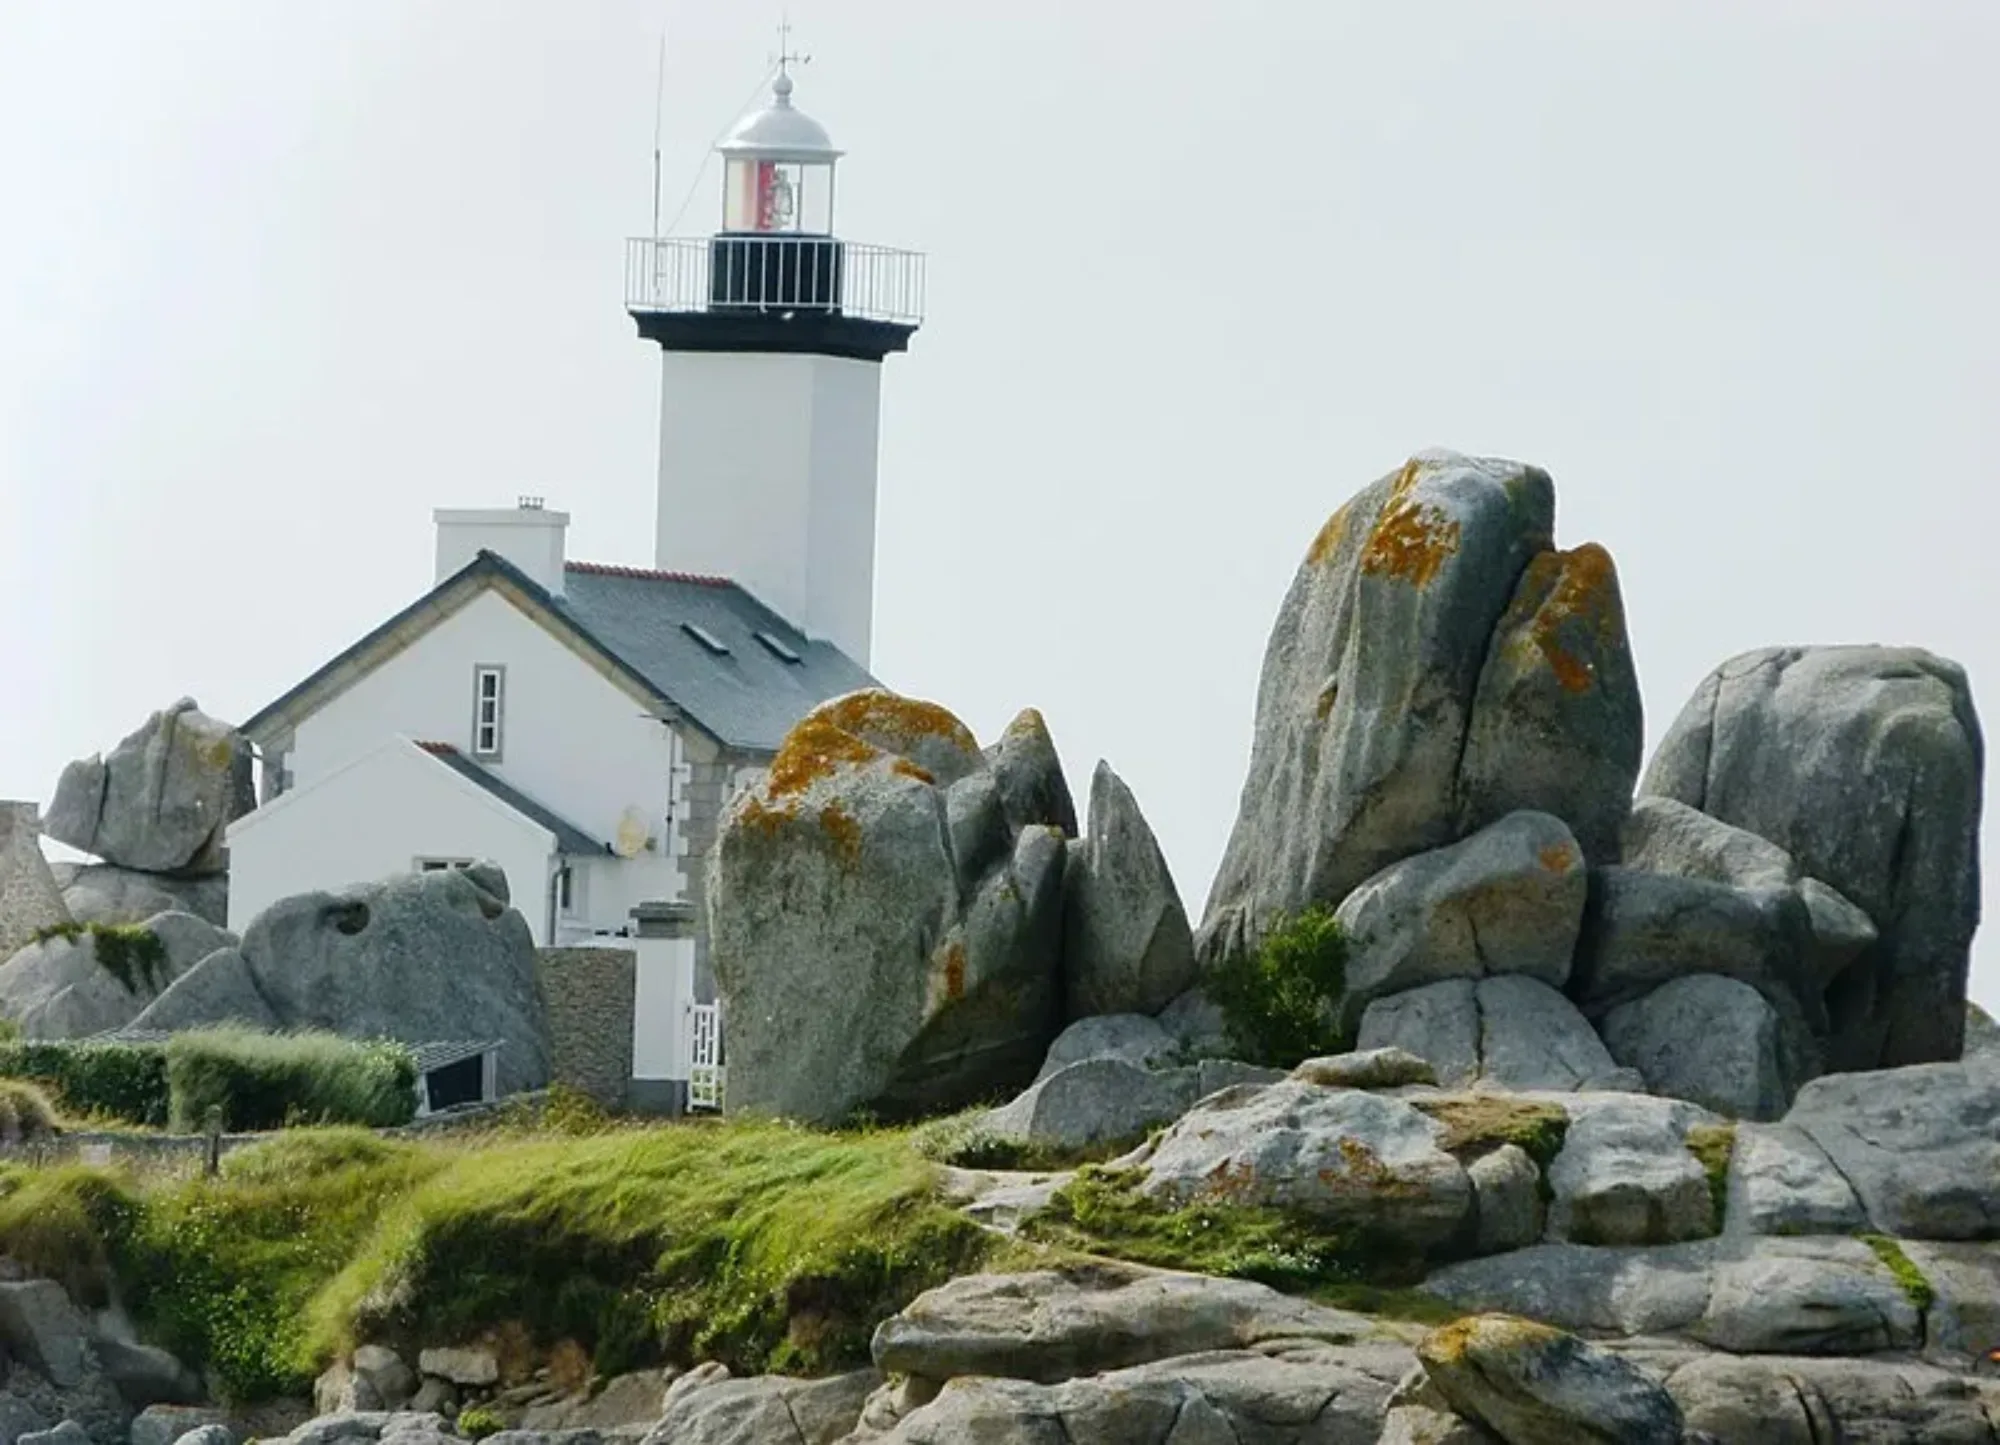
569, 837
658, 631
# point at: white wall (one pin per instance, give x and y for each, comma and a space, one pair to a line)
663, 996
768, 476
572, 740
372, 820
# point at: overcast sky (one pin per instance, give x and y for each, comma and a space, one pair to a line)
276, 280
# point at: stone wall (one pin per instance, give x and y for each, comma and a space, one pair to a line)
708, 789
589, 994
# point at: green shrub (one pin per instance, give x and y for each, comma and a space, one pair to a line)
122, 1081
26, 1115
130, 952
276, 1081
1281, 1000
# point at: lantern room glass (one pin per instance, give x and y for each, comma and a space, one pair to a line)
777, 197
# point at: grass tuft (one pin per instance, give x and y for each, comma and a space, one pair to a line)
273, 1081
1918, 1289
1713, 1145
26, 1115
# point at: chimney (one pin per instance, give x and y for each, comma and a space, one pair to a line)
529, 536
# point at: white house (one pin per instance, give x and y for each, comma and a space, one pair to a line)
582, 724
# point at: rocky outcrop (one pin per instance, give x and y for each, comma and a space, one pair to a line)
159, 802
423, 958
882, 933
1866, 765
84, 982
1126, 945
30, 901
1434, 667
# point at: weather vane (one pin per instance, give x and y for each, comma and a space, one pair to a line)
786, 56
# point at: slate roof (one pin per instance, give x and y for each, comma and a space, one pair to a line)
569, 837
746, 697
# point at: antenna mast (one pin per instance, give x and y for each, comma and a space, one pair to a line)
659, 109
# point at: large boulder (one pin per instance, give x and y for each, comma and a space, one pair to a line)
1625, 1175
1434, 667
1352, 1158
162, 798
1507, 900
882, 932
1126, 943
106, 893
1094, 1102
1704, 1038
89, 980
30, 900
424, 958
1866, 765
1509, 1032
1919, 1145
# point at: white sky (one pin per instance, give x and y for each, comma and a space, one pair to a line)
275, 280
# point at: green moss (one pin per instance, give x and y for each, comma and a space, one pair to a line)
1915, 1286
1102, 1212
1281, 1001
1713, 1145
476, 1422
129, 952
1476, 1124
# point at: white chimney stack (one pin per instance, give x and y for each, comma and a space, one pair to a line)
528, 535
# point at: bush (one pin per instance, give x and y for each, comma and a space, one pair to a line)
276, 1081
1281, 1000
123, 1081
26, 1115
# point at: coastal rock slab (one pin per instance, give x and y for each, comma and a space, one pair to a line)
30, 900
880, 934
1781, 1182
1557, 724
1529, 1383
1866, 765
421, 958
1920, 1145
1798, 1297
1355, 753
1707, 1039
1645, 1291
766, 1410
1343, 1155
1127, 946
1804, 1401
1625, 1176
1133, 1038
159, 802
1507, 900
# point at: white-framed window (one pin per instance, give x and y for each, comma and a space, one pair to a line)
438, 865
489, 696
566, 890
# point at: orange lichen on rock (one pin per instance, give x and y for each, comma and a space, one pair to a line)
1558, 857
842, 831
1331, 534
1580, 606
954, 970
815, 749
909, 769
1411, 540
891, 715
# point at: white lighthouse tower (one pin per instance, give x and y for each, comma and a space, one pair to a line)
773, 332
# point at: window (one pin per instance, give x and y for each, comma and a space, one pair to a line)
778, 649
438, 865
489, 685
565, 890
706, 638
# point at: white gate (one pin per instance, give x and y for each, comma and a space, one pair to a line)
705, 1058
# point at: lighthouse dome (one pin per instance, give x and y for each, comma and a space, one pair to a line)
779, 132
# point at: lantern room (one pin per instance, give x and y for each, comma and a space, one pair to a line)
777, 173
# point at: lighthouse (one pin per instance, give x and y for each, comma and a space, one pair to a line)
772, 332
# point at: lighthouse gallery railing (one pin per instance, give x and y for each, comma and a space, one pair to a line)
740, 271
